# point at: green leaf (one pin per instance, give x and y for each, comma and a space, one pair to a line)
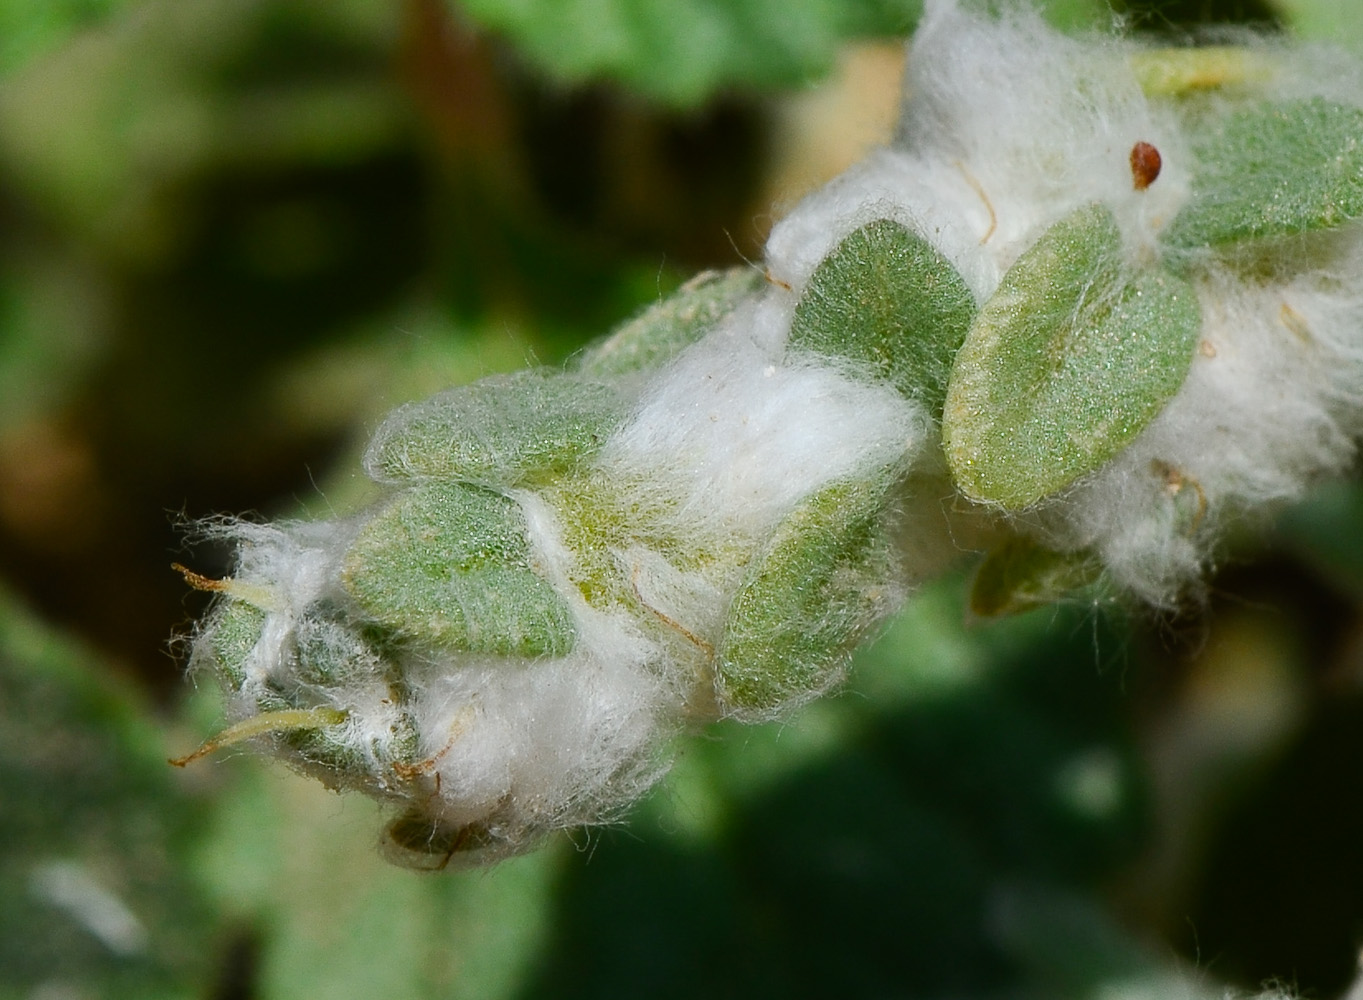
316, 734
330, 654
881, 826
501, 431
112, 132
1273, 170
886, 298
1020, 575
450, 564
684, 51
662, 331
335, 757
807, 597
331, 918
1078, 15
232, 635
95, 898
1065, 364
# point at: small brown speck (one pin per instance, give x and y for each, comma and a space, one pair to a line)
1207, 349
1145, 165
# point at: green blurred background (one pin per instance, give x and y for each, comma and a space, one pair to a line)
233, 234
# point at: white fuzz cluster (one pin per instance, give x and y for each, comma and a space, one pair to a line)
1007, 128
504, 645
1109, 295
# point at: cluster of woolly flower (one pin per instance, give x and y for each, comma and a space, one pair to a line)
1096, 299
567, 566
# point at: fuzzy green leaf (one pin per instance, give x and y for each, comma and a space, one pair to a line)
232, 635
886, 298
1065, 364
501, 431
450, 564
663, 330
324, 747
1020, 575
1273, 170
331, 655
807, 597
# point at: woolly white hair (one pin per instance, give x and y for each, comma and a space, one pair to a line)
1007, 127
677, 524
720, 445
1271, 404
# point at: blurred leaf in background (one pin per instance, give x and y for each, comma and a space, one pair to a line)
862, 850
1324, 21
95, 896
684, 52
31, 28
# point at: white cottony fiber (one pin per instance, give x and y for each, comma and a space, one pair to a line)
1040, 123
1269, 407
735, 494
733, 437
1043, 124
723, 442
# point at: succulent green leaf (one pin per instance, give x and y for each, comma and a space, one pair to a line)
501, 431
664, 329
818, 583
1020, 575
449, 564
887, 298
1065, 364
1274, 169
